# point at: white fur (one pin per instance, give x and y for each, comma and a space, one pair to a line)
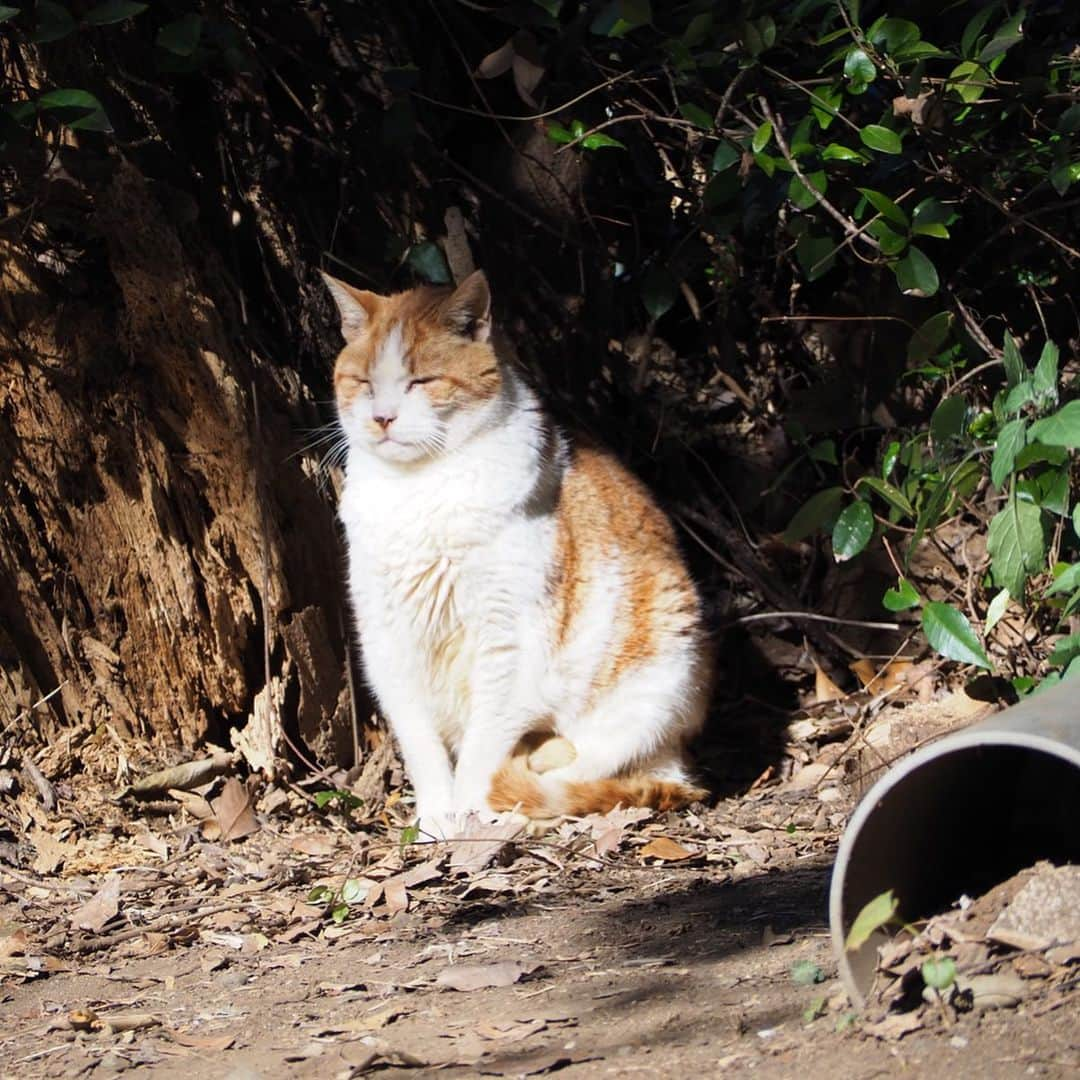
448, 570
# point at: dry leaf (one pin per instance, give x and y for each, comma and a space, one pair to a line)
234, 811
511, 1031
189, 774
13, 940
194, 804
317, 846
212, 1043
895, 1025
824, 688
498, 62
876, 680
667, 849
482, 976
101, 908
479, 841
395, 894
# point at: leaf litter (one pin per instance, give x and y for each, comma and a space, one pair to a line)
483, 953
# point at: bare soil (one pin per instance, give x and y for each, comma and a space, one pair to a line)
625, 945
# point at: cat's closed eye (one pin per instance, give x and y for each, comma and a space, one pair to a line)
421, 381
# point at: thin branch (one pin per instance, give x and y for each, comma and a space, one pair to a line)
850, 228
532, 116
763, 615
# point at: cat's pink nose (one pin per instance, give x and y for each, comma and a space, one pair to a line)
384, 421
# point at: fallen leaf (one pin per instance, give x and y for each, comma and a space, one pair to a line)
211, 1043
51, 853
666, 849
194, 804
479, 841
12, 940
511, 1031
1001, 990
101, 908
313, 845
234, 812
895, 1025
395, 894
824, 688
481, 976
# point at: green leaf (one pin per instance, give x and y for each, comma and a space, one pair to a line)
696, 115
877, 913
824, 451
824, 104
619, 17
816, 255
76, 109
1008, 34
1050, 490
888, 462
1076, 520
1060, 429
427, 260
1019, 396
881, 139
559, 134
1010, 441
806, 973
903, 597
974, 28
1065, 650
890, 242
928, 339
885, 206
321, 894
761, 137
1068, 121
409, 835
948, 422
1066, 582
996, 609
1017, 545
113, 11
852, 531
181, 36
969, 80
893, 34
726, 155
8, 13
658, 291
916, 274
1015, 368
950, 634
54, 22
892, 495
1045, 377
599, 141
859, 69
837, 152
818, 512
801, 196
940, 973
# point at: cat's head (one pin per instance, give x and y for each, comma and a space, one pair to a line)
417, 376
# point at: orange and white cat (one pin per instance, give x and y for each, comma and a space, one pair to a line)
506, 582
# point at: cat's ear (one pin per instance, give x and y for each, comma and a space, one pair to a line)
467, 311
356, 307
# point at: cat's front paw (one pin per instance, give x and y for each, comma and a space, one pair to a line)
436, 826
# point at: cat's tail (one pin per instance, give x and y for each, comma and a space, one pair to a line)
517, 787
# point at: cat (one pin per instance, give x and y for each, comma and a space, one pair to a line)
508, 584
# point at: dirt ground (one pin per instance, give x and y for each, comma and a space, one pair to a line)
137, 936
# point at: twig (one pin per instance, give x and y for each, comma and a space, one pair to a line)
533, 116
762, 615
850, 228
